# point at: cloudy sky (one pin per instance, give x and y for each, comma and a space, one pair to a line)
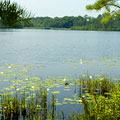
60, 8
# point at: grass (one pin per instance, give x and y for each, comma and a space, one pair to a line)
102, 107
26, 105
99, 86
27, 97
100, 98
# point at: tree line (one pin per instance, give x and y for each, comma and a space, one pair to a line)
14, 16
75, 23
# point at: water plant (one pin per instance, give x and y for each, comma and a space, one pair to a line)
102, 107
29, 97
98, 86
28, 105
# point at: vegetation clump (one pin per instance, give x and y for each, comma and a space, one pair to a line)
26, 105
100, 98
74, 23
103, 108
29, 97
111, 7
12, 15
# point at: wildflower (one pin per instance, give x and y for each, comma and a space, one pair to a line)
90, 77
17, 89
48, 89
81, 61
1, 73
64, 79
80, 101
9, 67
26, 79
83, 97
33, 87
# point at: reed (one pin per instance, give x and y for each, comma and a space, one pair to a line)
26, 105
100, 98
99, 86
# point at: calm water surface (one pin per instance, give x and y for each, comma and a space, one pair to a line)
59, 53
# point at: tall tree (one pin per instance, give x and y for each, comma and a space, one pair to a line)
112, 9
12, 15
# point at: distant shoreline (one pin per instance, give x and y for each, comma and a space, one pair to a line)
100, 29
85, 23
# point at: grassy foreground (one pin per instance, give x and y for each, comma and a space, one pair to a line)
100, 98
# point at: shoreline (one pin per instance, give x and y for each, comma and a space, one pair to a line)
70, 29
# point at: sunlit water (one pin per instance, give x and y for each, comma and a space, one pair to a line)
61, 53
55, 49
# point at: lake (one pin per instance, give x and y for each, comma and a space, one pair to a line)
58, 54
60, 51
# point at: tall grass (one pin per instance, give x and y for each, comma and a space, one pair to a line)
29, 106
100, 98
102, 107
104, 103
97, 86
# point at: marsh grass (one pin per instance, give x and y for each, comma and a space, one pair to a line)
32, 105
99, 96
102, 107
101, 99
98, 86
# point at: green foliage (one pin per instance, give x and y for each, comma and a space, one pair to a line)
103, 108
31, 98
12, 15
28, 104
76, 23
112, 9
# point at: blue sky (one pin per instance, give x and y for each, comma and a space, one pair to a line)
60, 8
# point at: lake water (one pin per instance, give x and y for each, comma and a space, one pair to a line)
61, 53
